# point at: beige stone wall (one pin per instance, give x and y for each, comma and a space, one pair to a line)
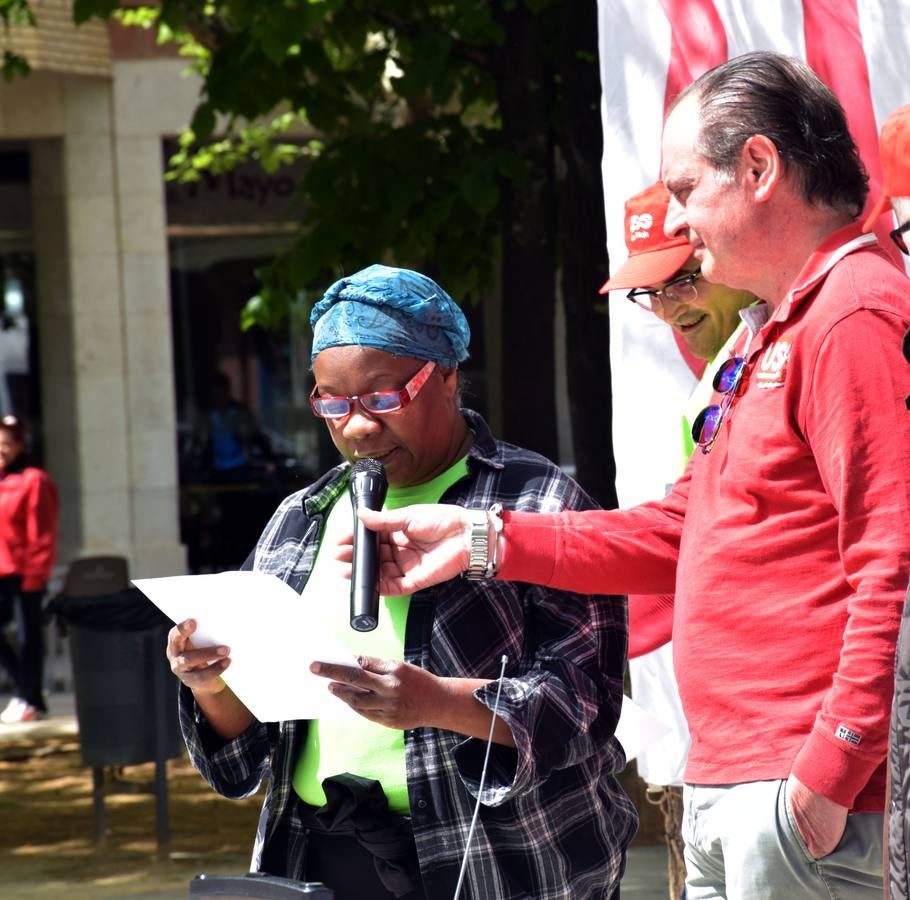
151, 98
57, 45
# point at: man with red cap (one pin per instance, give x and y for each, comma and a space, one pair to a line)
894, 148
665, 279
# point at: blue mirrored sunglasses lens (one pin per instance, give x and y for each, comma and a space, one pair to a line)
332, 407
381, 401
705, 426
727, 374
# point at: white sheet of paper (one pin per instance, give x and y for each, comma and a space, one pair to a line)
273, 637
637, 728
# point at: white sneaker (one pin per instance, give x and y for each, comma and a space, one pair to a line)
13, 711
29, 713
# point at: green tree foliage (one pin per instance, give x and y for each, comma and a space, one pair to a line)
406, 150
15, 12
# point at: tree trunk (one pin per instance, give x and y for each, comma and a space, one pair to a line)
525, 78
584, 258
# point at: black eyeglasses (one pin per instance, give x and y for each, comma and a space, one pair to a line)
707, 424
681, 289
898, 237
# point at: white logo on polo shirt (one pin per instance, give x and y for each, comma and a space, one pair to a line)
772, 366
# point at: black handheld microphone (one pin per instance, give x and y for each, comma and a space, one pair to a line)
368, 486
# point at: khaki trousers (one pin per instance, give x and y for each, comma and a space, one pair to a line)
742, 844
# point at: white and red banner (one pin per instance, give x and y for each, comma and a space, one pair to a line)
649, 51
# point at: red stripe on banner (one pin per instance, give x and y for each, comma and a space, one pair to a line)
835, 51
698, 42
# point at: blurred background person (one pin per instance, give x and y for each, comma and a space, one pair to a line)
229, 476
227, 438
28, 546
665, 279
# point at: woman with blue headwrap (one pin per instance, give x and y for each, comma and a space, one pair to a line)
378, 807
376, 330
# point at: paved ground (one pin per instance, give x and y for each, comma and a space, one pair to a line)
645, 877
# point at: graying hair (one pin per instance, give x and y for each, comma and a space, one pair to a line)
781, 98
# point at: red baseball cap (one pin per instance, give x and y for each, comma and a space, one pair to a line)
653, 257
894, 149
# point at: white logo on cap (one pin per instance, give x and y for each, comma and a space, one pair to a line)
639, 225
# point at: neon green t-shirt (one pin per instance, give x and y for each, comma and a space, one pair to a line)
358, 746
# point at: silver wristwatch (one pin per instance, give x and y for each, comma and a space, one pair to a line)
486, 527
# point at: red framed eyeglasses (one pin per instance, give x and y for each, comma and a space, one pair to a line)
376, 403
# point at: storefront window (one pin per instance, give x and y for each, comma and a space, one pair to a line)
244, 438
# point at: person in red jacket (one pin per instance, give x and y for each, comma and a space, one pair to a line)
787, 540
28, 543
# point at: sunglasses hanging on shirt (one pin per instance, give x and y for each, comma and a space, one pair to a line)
726, 382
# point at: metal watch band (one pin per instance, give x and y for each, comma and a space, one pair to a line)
484, 559
480, 545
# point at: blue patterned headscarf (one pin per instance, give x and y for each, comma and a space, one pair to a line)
396, 310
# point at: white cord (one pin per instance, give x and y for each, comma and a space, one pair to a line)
483, 775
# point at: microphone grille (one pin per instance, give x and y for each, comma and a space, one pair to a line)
368, 465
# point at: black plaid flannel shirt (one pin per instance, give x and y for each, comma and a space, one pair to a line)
554, 822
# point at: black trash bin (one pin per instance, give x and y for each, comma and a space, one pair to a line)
126, 696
